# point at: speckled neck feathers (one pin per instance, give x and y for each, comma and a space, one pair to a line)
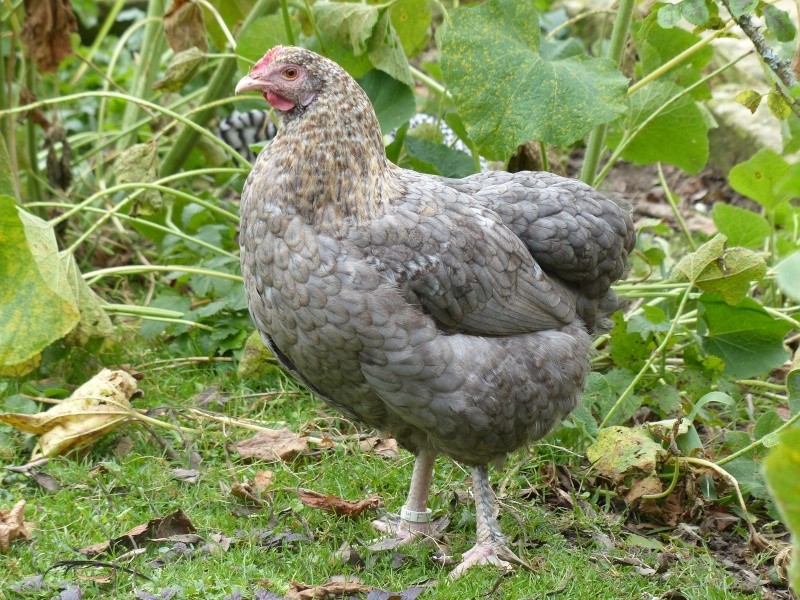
327, 161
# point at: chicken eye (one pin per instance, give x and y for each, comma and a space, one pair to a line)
290, 73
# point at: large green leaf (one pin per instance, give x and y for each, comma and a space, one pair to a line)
411, 20
741, 226
782, 470
678, 135
393, 100
508, 93
37, 304
431, 157
745, 336
760, 177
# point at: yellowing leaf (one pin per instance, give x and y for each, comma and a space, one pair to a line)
37, 305
94, 409
12, 525
622, 451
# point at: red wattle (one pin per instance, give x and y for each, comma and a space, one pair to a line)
279, 102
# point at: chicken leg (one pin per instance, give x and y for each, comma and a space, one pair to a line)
491, 546
415, 518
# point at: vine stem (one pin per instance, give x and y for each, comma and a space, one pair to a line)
675, 61
759, 442
619, 34
675, 210
650, 361
94, 276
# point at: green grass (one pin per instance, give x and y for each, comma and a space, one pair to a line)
95, 504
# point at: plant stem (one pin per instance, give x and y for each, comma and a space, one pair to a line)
429, 81
149, 62
287, 22
594, 145
111, 17
94, 276
630, 136
216, 88
650, 361
759, 442
675, 210
34, 189
677, 60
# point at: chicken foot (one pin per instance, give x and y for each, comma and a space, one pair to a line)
415, 517
491, 547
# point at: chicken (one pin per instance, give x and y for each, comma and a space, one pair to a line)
453, 315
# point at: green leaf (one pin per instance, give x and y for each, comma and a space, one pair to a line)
508, 93
692, 265
793, 387
782, 471
669, 15
742, 7
365, 29
411, 20
695, 11
261, 35
139, 164
37, 304
631, 345
677, 136
657, 46
181, 69
750, 99
393, 100
717, 397
742, 227
788, 276
350, 22
666, 398
386, 51
778, 106
622, 451
653, 320
745, 336
767, 423
779, 23
757, 178
438, 158
731, 276
7, 187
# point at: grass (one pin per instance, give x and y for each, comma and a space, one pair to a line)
105, 492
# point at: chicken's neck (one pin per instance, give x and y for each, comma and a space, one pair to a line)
329, 163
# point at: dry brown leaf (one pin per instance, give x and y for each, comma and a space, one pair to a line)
648, 486
273, 445
331, 589
334, 504
262, 480
13, 525
46, 32
94, 409
176, 523
184, 26
246, 492
385, 447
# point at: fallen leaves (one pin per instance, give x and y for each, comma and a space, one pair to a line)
46, 32
273, 445
334, 504
174, 524
333, 588
95, 408
383, 447
13, 525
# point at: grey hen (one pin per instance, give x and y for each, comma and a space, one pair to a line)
452, 314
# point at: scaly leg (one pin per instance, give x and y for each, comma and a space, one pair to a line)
415, 519
491, 546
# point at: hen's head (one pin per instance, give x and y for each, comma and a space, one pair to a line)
287, 77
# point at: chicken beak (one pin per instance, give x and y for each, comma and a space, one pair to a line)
248, 84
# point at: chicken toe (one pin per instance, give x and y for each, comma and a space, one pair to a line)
491, 546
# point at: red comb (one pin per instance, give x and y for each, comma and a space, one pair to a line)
266, 59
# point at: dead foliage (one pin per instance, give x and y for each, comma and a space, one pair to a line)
13, 526
273, 445
160, 528
334, 504
46, 32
